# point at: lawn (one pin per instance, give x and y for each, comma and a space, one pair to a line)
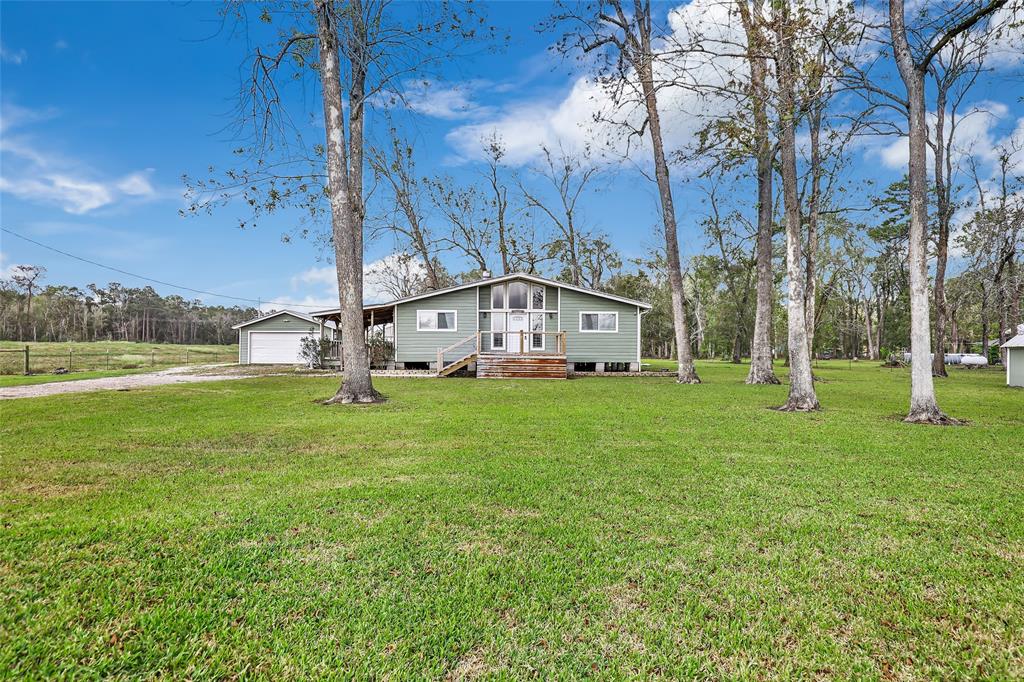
44, 357
23, 380
609, 527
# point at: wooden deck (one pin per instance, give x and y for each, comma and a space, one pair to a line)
520, 366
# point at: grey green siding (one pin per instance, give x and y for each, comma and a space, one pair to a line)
1015, 366
564, 306
279, 323
414, 346
598, 347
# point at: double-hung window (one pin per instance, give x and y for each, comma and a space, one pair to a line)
598, 322
436, 320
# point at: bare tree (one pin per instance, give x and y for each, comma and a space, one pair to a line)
399, 275
358, 50
626, 39
802, 396
599, 262
466, 211
396, 168
344, 152
500, 215
25, 278
758, 45
954, 70
913, 63
568, 174
994, 236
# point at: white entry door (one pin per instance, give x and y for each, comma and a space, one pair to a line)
514, 341
275, 347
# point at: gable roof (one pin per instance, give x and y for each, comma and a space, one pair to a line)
497, 280
301, 316
1015, 342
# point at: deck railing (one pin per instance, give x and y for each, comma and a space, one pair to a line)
522, 343
458, 350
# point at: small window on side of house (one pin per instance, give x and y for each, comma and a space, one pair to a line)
436, 320
599, 322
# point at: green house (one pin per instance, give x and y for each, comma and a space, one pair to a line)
517, 325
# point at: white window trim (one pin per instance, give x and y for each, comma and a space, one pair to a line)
543, 327
430, 310
599, 330
508, 295
544, 296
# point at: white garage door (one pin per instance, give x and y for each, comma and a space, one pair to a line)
275, 347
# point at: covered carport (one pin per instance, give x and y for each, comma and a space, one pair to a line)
378, 330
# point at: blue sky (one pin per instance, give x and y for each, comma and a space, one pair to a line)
107, 105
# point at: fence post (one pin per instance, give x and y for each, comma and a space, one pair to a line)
152, 358
26, 361
108, 358
186, 357
70, 361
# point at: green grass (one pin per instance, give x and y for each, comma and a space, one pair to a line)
22, 380
94, 355
608, 527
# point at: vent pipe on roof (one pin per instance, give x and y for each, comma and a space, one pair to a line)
486, 274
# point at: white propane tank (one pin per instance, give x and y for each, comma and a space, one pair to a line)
973, 360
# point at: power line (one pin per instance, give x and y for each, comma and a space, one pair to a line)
258, 301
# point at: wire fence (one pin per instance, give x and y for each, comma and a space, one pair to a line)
28, 361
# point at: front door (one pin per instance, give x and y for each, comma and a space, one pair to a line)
516, 342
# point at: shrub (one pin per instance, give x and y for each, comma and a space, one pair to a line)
314, 351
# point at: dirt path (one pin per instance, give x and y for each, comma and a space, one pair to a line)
174, 375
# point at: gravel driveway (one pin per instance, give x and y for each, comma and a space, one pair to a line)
175, 375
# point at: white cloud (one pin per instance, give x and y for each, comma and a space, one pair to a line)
318, 286
976, 135
326, 276
302, 304
586, 117
439, 100
392, 277
72, 195
61, 44
33, 172
137, 184
6, 267
11, 56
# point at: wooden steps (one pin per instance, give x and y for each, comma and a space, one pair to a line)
457, 365
526, 366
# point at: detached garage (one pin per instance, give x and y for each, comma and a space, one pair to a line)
274, 339
1015, 359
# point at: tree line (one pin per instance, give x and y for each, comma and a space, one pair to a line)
801, 254
33, 310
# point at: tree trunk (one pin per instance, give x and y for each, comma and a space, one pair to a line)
761, 369
801, 382
942, 191
868, 331
686, 372
924, 408
813, 216
345, 188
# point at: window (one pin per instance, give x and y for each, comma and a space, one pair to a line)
497, 297
498, 326
436, 321
537, 325
596, 323
517, 293
537, 297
